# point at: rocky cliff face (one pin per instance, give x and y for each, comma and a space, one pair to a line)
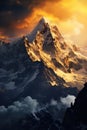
48, 45
76, 116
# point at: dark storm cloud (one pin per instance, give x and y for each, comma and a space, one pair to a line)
13, 10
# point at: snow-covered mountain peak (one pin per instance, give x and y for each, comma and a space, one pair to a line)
46, 44
43, 20
38, 28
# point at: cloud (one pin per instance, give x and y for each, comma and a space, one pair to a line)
14, 12
53, 102
18, 110
18, 17
27, 105
66, 101
57, 108
73, 30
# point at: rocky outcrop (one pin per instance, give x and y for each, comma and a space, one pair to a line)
76, 116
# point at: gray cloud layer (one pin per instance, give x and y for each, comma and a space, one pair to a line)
20, 109
12, 11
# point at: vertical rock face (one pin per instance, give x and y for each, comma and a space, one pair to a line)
47, 45
76, 116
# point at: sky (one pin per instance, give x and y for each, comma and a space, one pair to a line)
18, 17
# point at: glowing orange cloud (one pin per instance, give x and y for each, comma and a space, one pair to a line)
4, 38
69, 15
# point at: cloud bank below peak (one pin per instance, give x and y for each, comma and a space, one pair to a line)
20, 109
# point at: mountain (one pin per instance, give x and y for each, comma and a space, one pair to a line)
21, 77
48, 46
40, 75
33, 64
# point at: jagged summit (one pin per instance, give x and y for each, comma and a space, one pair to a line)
49, 32
44, 26
37, 28
44, 20
46, 44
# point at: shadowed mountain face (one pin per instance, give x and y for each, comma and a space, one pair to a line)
76, 116
49, 47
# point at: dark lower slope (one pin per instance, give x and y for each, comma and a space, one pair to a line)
76, 116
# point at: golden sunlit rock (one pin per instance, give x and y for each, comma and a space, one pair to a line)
50, 47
